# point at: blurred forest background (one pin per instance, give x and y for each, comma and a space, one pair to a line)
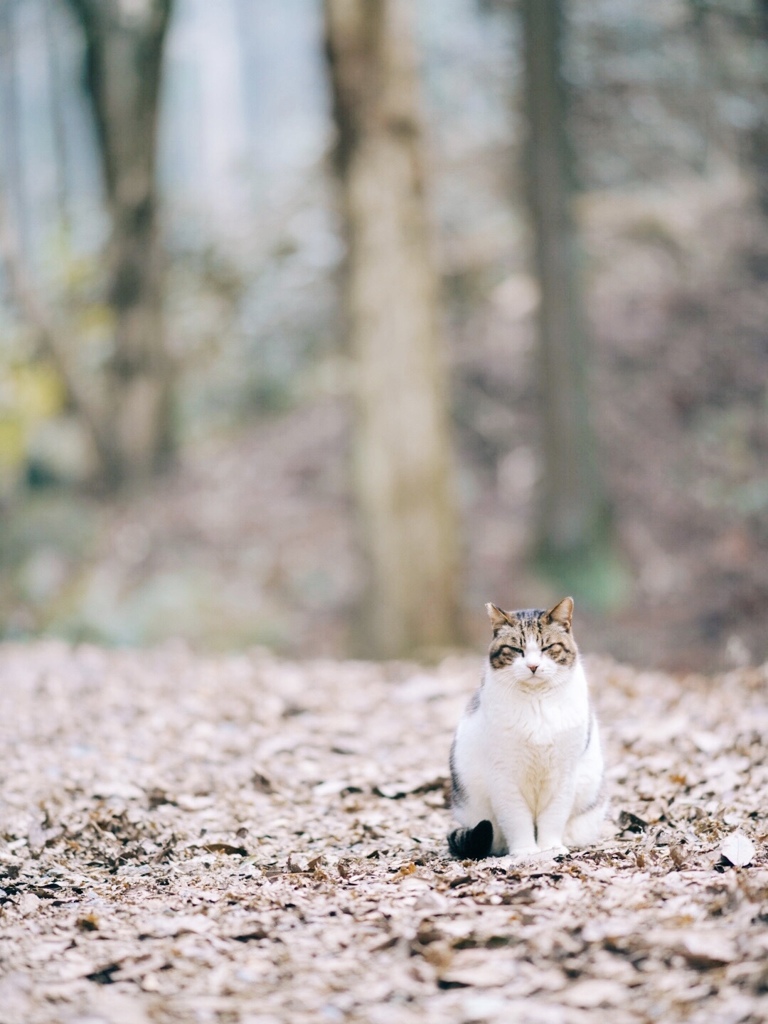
317, 332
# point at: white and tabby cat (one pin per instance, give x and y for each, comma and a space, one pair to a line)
526, 763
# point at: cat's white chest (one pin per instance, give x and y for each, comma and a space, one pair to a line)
532, 721
532, 741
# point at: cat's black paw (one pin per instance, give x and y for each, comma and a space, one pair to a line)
472, 843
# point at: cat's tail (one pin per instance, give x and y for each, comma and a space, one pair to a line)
472, 843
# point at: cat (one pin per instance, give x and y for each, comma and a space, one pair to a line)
526, 761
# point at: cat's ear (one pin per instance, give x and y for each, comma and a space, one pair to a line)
497, 616
561, 613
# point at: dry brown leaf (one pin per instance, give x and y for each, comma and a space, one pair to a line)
477, 969
707, 949
228, 848
590, 993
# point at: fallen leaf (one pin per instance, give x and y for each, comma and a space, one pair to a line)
737, 849
472, 968
39, 837
398, 790
225, 848
252, 935
705, 950
631, 823
405, 870
179, 924
29, 903
590, 993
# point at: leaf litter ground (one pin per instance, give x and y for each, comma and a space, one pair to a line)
253, 840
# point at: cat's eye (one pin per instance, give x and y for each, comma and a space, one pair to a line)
553, 647
509, 647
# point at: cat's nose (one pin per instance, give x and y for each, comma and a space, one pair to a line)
533, 666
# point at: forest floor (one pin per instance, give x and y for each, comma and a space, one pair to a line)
252, 841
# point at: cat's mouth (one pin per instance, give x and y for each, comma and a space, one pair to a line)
536, 680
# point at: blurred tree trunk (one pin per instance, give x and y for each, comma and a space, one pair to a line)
58, 126
402, 448
760, 131
124, 49
573, 540
10, 156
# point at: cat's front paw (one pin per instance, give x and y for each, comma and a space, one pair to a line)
524, 853
555, 851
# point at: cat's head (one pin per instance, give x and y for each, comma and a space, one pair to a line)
533, 647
